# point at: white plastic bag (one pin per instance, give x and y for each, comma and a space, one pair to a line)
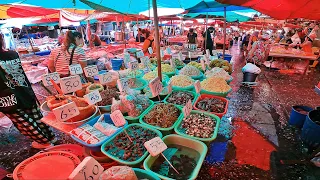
251, 68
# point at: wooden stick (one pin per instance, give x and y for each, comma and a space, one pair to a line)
128, 136
170, 163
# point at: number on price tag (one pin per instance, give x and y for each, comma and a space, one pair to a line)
173, 65
125, 84
197, 85
203, 65
180, 56
161, 53
66, 112
70, 84
90, 71
187, 108
46, 78
75, 69
126, 58
88, 169
169, 87
155, 146
139, 54
117, 118
169, 50
155, 86
150, 50
133, 65
93, 97
105, 78
145, 61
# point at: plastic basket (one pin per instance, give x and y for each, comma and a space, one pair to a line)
230, 80
137, 76
131, 119
227, 57
169, 74
186, 88
116, 63
179, 140
129, 163
143, 174
297, 118
311, 131
96, 147
164, 131
195, 96
224, 94
181, 131
196, 77
202, 96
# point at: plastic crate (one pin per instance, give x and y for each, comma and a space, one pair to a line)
195, 96
224, 94
131, 119
96, 147
202, 96
182, 132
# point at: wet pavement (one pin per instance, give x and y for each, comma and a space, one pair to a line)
254, 139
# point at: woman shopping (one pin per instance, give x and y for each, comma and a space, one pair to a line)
148, 42
18, 101
258, 52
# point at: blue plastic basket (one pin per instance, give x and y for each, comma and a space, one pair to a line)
311, 131
297, 118
227, 57
97, 147
116, 63
43, 53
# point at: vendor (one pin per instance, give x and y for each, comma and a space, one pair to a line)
149, 40
192, 37
18, 101
95, 40
307, 44
139, 35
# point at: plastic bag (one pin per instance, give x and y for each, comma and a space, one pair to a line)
251, 68
118, 173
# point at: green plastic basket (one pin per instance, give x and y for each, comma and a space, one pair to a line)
140, 75
164, 131
216, 93
143, 174
195, 96
196, 77
165, 79
186, 88
180, 67
132, 119
229, 81
181, 131
169, 74
129, 163
182, 141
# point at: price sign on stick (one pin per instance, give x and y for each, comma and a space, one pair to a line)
139, 54
67, 111
117, 118
203, 65
150, 50
75, 69
169, 87
46, 78
169, 50
133, 65
70, 84
105, 78
173, 65
155, 86
161, 53
180, 56
155, 146
145, 61
88, 169
187, 108
93, 97
124, 84
90, 71
197, 86
126, 58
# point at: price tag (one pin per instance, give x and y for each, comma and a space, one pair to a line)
189, 54
126, 58
46, 78
187, 109
161, 53
169, 87
197, 85
70, 84
203, 65
208, 52
105, 78
150, 50
90, 71
169, 50
139, 54
155, 86
180, 56
145, 61
65, 112
88, 169
133, 65
173, 65
124, 84
93, 97
155, 146
117, 118
75, 69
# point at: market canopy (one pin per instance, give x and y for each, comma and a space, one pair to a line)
240, 16
23, 11
282, 9
213, 6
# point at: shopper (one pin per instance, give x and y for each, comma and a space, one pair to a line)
149, 40
192, 37
18, 101
139, 35
95, 40
208, 42
257, 53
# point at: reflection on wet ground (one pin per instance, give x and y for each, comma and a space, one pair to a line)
255, 140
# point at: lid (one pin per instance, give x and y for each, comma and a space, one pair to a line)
71, 148
48, 165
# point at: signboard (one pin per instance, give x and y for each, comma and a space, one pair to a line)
187, 109
155, 86
155, 146
117, 118
197, 86
105, 78
88, 169
75, 69
93, 97
70, 84
46, 78
66, 112
90, 71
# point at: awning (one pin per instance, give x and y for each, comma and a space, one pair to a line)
23, 11
213, 6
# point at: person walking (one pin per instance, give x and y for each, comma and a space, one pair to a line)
208, 42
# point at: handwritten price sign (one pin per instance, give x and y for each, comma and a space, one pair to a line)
93, 97
105, 78
124, 84
187, 108
46, 78
139, 54
75, 69
67, 111
90, 71
145, 60
150, 50
88, 169
70, 84
197, 85
155, 86
155, 146
180, 56
117, 118
133, 65
169, 50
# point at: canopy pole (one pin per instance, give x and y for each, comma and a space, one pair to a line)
156, 40
29, 39
124, 33
224, 31
138, 30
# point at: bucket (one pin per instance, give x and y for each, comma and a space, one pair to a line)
227, 57
116, 63
311, 129
297, 117
249, 77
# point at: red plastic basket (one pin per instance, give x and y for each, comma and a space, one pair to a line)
202, 96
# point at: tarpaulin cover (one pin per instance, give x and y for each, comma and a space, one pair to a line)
213, 6
231, 15
19, 11
282, 9
74, 4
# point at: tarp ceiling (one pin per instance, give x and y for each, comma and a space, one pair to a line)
213, 6
20, 11
282, 9
231, 15
58, 4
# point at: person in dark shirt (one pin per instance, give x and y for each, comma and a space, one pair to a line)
18, 101
192, 37
139, 35
208, 42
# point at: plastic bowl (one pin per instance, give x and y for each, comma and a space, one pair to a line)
182, 141
79, 123
143, 174
203, 96
192, 101
185, 88
196, 77
131, 119
224, 94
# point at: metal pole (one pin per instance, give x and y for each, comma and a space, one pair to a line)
29, 40
205, 39
224, 31
156, 25
124, 32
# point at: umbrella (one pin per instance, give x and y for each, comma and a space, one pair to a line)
23, 11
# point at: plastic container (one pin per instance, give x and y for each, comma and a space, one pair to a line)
43, 53
143, 174
297, 118
249, 77
164, 131
195, 96
203, 96
138, 75
129, 163
131, 119
116, 64
96, 147
186, 88
225, 94
311, 131
196, 77
227, 57
182, 131
182, 141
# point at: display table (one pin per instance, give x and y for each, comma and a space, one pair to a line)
51, 120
